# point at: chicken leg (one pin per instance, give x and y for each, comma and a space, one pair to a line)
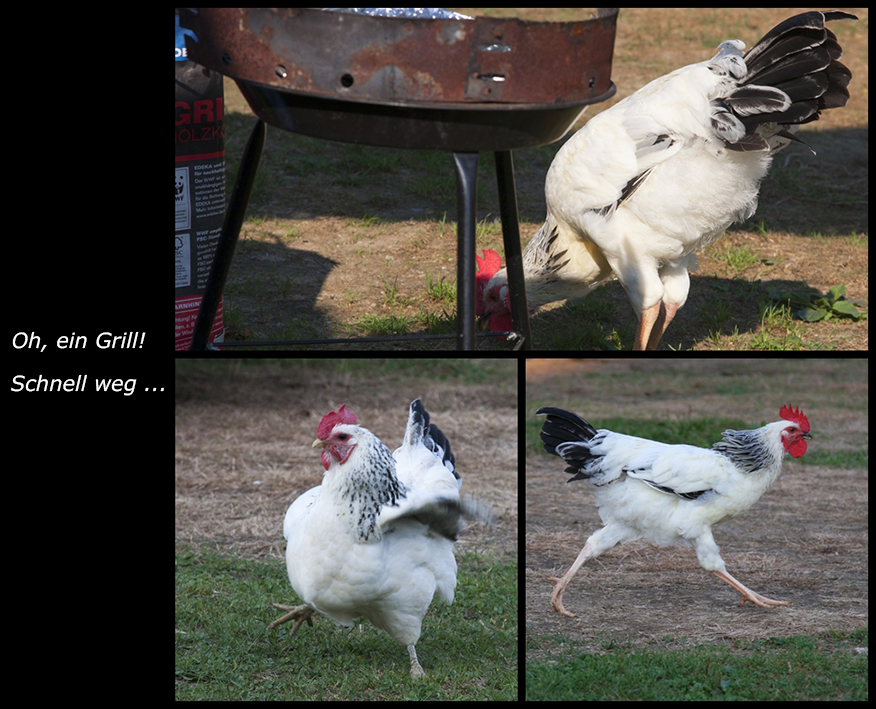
747, 593
557, 593
652, 324
300, 614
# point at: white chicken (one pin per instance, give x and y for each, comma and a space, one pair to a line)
670, 493
663, 173
375, 540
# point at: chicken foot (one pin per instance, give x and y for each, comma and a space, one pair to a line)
559, 589
748, 594
300, 614
416, 670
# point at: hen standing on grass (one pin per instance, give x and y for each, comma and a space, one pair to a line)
669, 493
375, 540
646, 183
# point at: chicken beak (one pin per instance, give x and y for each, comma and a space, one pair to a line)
318, 443
484, 322
806, 434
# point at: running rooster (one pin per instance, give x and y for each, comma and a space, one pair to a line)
670, 493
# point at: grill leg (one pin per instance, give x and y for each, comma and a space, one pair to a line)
249, 165
513, 252
466, 180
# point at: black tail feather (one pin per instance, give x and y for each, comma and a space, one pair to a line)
420, 430
800, 57
563, 426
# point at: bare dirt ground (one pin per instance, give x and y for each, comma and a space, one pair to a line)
342, 240
805, 541
244, 434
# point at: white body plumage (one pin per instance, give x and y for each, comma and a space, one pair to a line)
646, 183
375, 540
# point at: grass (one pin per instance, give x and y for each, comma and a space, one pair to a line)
225, 652
501, 372
780, 668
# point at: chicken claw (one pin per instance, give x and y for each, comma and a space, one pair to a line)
300, 614
557, 597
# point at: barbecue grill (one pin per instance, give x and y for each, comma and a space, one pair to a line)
463, 86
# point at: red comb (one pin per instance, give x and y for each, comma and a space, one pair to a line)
796, 416
488, 266
330, 420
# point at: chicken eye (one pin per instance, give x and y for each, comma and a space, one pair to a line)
343, 436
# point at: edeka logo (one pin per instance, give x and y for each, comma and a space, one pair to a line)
181, 34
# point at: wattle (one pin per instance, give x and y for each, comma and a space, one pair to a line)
797, 448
